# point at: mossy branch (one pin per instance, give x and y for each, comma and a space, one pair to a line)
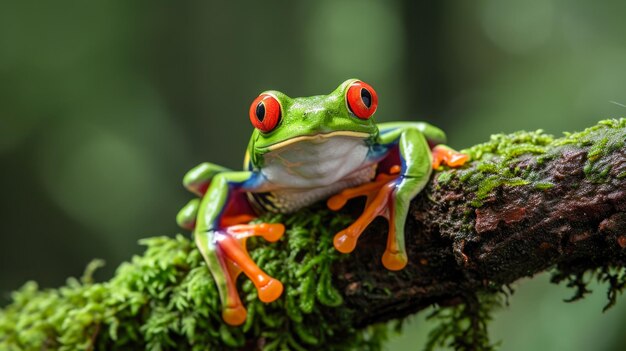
526, 203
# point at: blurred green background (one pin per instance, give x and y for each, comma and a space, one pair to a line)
105, 105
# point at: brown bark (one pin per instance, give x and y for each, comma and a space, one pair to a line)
455, 249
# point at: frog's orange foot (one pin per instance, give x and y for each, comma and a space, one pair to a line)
447, 156
233, 253
380, 202
371, 189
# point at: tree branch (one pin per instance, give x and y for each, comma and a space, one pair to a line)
509, 215
525, 203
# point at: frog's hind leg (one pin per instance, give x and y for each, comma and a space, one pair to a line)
221, 237
186, 217
197, 181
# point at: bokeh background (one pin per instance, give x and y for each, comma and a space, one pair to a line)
105, 105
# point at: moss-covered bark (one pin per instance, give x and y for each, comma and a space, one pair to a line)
166, 299
526, 203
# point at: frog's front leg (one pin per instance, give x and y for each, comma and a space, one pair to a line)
223, 243
390, 195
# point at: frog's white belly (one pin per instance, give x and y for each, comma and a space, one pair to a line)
308, 171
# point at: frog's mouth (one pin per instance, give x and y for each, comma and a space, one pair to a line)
317, 138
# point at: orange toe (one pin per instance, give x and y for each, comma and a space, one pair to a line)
336, 202
395, 169
343, 242
394, 261
447, 156
270, 291
273, 231
457, 160
234, 316
238, 219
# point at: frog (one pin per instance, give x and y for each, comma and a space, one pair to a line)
302, 151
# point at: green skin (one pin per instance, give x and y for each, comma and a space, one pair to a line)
306, 116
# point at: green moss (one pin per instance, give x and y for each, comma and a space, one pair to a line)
167, 300
602, 140
444, 178
596, 150
543, 185
492, 160
511, 145
496, 163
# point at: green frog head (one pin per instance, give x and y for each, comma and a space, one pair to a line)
280, 120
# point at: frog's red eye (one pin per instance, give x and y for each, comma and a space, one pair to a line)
265, 113
362, 100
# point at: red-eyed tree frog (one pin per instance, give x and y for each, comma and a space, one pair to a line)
304, 150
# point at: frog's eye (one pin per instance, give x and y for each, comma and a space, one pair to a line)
362, 100
265, 113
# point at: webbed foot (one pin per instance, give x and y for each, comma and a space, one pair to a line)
380, 202
228, 247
